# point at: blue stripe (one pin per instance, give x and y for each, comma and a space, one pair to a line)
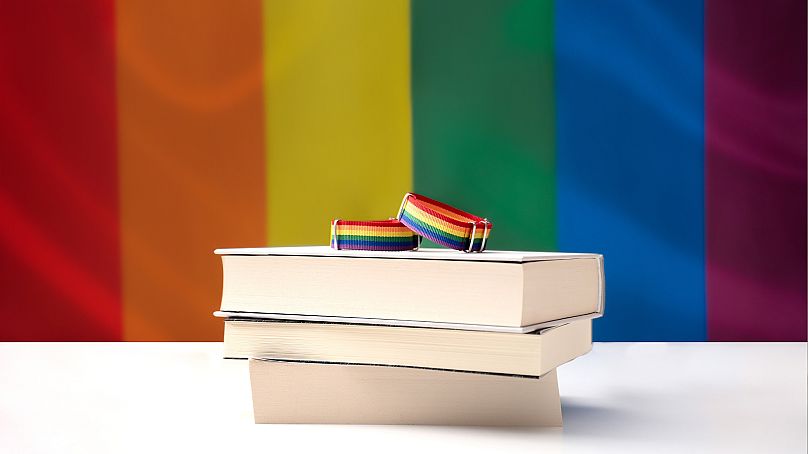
439, 237
391, 239
630, 159
390, 244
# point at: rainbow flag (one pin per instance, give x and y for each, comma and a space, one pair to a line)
137, 136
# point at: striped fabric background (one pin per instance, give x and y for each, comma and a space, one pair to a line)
136, 136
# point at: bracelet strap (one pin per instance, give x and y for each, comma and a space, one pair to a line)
390, 235
444, 224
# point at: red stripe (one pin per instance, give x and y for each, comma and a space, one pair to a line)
424, 203
59, 241
385, 223
755, 91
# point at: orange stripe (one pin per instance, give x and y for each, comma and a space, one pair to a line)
191, 157
427, 218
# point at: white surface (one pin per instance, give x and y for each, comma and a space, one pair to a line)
425, 253
181, 397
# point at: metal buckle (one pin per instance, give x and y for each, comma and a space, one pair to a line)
485, 234
474, 231
334, 234
471, 237
403, 203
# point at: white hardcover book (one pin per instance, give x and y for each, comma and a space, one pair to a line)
505, 289
289, 392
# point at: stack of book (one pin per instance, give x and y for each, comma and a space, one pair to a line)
421, 337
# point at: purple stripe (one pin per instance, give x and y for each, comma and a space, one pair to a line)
755, 64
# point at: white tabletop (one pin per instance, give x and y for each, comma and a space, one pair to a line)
181, 397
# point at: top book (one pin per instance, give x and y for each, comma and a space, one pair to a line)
492, 289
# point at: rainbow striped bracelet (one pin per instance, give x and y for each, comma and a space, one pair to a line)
389, 235
418, 216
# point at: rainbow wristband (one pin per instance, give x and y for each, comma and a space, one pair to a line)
444, 224
418, 217
390, 235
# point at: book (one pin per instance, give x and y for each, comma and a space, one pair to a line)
489, 289
291, 392
532, 354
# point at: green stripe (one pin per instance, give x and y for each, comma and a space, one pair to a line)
434, 229
484, 114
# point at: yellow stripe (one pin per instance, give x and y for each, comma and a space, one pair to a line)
447, 213
427, 218
337, 89
462, 232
